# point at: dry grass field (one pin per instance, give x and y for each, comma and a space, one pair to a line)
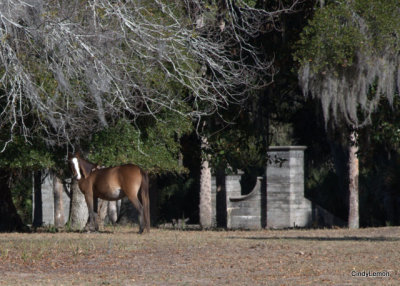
170, 257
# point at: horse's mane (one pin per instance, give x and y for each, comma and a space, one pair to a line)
86, 166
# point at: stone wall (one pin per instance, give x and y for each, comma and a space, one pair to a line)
239, 211
276, 201
245, 211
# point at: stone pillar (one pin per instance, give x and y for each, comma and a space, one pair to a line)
286, 204
43, 182
47, 199
233, 189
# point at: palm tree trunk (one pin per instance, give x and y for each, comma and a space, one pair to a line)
205, 190
353, 221
58, 189
112, 212
79, 211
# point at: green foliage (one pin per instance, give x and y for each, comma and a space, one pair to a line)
330, 39
379, 161
372, 185
23, 155
382, 19
321, 185
341, 29
236, 149
384, 130
251, 3
175, 198
237, 142
21, 191
154, 146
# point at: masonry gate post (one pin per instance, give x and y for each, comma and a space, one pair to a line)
286, 204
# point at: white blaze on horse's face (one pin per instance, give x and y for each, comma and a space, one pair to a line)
76, 166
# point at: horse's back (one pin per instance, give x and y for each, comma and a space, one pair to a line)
124, 178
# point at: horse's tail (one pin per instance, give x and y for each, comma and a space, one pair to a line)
144, 195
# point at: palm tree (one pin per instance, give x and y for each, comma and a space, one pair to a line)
349, 58
205, 189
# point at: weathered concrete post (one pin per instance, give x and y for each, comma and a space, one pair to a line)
286, 204
44, 208
233, 189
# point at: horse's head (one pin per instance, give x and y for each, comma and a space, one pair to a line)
81, 168
74, 162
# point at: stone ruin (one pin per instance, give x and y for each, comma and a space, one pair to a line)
43, 201
276, 201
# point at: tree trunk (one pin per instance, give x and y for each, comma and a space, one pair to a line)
37, 199
58, 189
79, 211
205, 191
9, 218
220, 197
102, 211
353, 182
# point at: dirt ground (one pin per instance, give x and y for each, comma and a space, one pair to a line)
120, 256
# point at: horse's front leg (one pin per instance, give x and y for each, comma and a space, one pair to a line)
91, 202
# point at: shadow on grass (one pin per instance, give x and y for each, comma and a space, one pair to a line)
320, 238
68, 230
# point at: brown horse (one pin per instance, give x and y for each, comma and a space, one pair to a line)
112, 184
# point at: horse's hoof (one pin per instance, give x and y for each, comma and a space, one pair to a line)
89, 229
141, 231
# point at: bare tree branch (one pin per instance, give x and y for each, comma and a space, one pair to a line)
71, 66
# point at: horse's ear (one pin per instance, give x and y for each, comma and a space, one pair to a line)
70, 156
78, 154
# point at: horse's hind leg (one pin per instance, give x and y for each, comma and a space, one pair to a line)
92, 224
132, 196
